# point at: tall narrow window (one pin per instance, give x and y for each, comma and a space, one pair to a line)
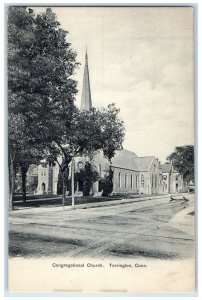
155, 181
142, 181
119, 179
136, 181
125, 180
131, 181
160, 179
152, 181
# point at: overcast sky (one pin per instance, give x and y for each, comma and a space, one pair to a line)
142, 60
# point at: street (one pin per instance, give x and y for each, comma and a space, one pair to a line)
154, 228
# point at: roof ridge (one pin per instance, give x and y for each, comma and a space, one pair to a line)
145, 156
128, 150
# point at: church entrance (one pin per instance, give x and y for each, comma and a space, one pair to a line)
99, 186
80, 185
43, 187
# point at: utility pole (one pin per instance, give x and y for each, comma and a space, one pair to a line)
72, 175
64, 189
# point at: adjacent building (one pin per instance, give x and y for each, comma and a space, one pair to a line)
172, 181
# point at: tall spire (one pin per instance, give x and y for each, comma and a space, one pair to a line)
86, 102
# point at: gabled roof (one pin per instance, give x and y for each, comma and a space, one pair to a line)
166, 168
125, 159
144, 163
128, 160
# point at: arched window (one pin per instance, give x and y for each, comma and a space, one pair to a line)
152, 182
142, 181
125, 180
119, 179
43, 187
131, 181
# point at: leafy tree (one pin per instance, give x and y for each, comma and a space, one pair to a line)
27, 157
106, 183
41, 94
22, 152
90, 176
40, 65
87, 176
183, 161
88, 132
16, 122
32, 180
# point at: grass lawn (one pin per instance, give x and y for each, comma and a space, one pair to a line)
56, 200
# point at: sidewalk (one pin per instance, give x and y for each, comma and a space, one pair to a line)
184, 220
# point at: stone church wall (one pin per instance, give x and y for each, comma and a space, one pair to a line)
43, 180
125, 181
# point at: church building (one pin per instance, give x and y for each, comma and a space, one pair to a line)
131, 174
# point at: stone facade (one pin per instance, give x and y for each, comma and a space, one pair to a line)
125, 181
141, 175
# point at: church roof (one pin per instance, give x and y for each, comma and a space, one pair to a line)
166, 168
128, 160
125, 159
144, 163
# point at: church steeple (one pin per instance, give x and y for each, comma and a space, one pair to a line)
86, 102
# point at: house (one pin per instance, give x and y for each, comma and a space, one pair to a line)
172, 181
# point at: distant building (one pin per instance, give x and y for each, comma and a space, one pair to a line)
172, 180
131, 174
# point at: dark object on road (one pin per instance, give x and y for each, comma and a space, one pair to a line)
180, 197
192, 213
191, 188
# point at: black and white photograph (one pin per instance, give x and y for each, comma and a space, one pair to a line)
101, 172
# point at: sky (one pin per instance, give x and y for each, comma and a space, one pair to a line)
142, 60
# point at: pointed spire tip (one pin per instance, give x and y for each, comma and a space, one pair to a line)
86, 53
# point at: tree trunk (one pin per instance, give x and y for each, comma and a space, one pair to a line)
65, 174
24, 170
72, 178
11, 182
